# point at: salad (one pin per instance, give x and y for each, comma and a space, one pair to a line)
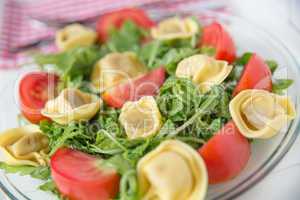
139, 109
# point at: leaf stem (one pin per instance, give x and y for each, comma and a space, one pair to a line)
107, 134
202, 110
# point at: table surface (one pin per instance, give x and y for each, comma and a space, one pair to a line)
283, 181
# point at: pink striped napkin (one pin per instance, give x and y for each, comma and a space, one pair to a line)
20, 28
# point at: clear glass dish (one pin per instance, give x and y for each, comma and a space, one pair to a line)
265, 153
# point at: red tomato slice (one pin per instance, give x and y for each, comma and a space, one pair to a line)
256, 75
147, 85
225, 154
214, 35
79, 176
34, 91
118, 17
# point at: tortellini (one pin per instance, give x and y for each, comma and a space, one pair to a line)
72, 105
205, 71
74, 35
116, 68
24, 146
175, 28
261, 114
140, 118
172, 171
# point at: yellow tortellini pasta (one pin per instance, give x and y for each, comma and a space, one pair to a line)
140, 118
261, 114
203, 70
74, 35
116, 68
72, 105
175, 28
172, 171
24, 146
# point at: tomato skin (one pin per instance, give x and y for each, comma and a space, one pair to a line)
225, 154
78, 177
256, 75
214, 35
34, 118
146, 85
118, 17
34, 91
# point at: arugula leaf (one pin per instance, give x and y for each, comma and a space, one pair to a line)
244, 59
204, 115
50, 186
108, 120
118, 163
178, 98
75, 134
174, 56
210, 51
127, 38
74, 66
272, 64
236, 72
279, 85
40, 172
150, 52
128, 182
157, 53
167, 127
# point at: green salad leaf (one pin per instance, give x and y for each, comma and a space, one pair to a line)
157, 53
178, 98
127, 38
272, 64
238, 68
244, 59
41, 172
179, 101
279, 85
74, 66
50, 186
75, 134
210, 51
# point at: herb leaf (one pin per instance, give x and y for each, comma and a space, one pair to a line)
41, 172
157, 53
272, 64
127, 38
281, 84
74, 65
50, 186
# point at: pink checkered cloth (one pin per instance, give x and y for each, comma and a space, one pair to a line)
20, 29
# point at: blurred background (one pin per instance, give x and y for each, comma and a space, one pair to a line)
32, 23
19, 32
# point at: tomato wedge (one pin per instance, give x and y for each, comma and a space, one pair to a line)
118, 17
214, 35
35, 89
147, 85
79, 176
256, 75
225, 154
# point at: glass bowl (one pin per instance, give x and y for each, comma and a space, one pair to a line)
265, 153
